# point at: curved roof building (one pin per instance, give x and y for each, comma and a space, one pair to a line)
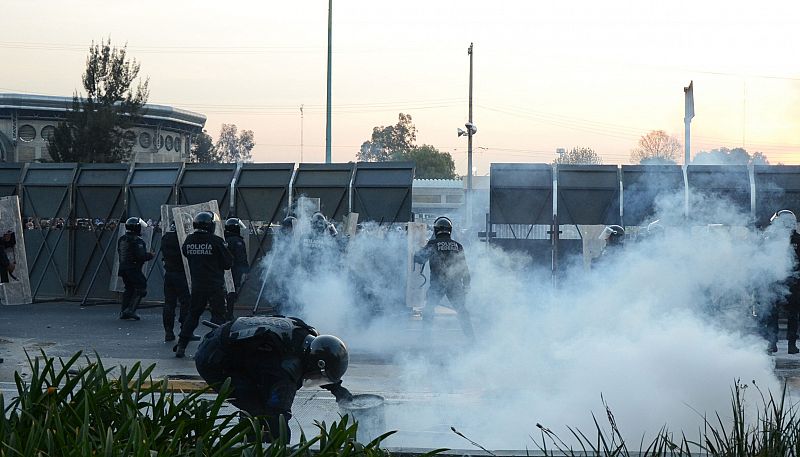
27, 122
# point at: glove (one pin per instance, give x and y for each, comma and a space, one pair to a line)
339, 391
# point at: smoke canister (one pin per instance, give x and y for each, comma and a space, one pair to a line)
369, 411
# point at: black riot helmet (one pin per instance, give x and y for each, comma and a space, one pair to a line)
235, 226
204, 221
614, 235
442, 225
288, 223
319, 223
134, 225
326, 360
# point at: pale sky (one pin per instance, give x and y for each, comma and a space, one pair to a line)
546, 74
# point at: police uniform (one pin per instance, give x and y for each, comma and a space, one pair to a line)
208, 258
449, 277
793, 300
240, 268
176, 289
7, 241
266, 358
132, 256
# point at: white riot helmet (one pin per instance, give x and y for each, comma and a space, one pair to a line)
784, 219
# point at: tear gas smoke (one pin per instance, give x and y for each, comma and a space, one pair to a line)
662, 330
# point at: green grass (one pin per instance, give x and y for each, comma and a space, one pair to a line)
69, 408
773, 431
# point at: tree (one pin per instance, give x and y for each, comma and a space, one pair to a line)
203, 149
388, 142
94, 129
233, 146
656, 148
725, 156
578, 155
430, 162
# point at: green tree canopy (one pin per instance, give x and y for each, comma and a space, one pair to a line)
656, 148
203, 149
95, 126
388, 142
578, 156
233, 146
430, 163
725, 156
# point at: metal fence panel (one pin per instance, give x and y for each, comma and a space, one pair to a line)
727, 182
262, 191
521, 193
10, 174
262, 198
47, 197
328, 182
643, 185
777, 187
382, 191
203, 182
99, 208
152, 185
588, 194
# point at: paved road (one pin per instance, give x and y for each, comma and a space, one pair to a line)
61, 329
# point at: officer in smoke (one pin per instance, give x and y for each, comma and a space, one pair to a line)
268, 359
176, 289
133, 254
784, 223
208, 258
449, 274
7, 266
241, 267
614, 236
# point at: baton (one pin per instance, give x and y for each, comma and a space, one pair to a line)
210, 324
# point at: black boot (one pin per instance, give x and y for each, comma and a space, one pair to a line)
180, 348
773, 347
793, 347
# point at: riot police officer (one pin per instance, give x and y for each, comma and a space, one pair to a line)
176, 289
132, 256
208, 258
7, 241
268, 359
784, 224
449, 274
241, 267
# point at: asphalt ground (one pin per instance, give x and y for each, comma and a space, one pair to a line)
63, 328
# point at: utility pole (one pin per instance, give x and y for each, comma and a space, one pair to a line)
470, 131
301, 133
328, 108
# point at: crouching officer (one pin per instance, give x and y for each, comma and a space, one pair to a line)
208, 258
449, 274
176, 289
241, 267
268, 359
132, 256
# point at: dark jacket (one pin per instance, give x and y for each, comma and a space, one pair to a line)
132, 252
239, 252
447, 260
208, 258
171, 253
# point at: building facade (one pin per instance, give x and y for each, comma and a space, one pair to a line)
27, 122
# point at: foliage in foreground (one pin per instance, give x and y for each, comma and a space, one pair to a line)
775, 431
66, 409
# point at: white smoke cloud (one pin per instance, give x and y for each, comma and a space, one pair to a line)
662, 331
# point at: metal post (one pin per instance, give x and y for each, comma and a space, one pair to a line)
328, 108
469, 145
301, 133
